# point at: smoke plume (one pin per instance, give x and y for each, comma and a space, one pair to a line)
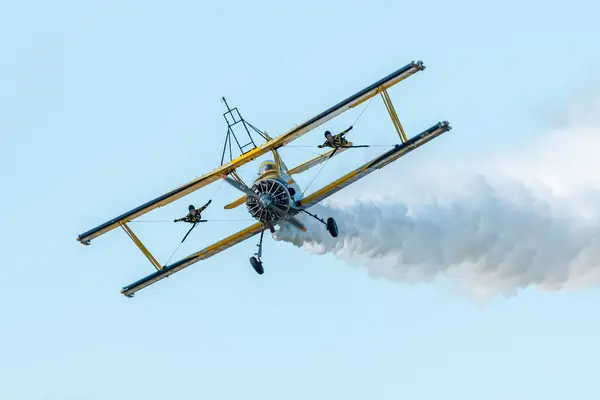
524, 219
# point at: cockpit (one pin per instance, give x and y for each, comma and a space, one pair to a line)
266, 167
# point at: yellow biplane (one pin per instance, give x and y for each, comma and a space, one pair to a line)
274, 197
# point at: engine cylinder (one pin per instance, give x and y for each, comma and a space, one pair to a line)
273, 198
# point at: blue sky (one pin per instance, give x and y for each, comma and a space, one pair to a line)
105, 105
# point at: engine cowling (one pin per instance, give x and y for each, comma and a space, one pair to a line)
271, 193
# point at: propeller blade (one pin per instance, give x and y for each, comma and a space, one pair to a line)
241, 187
284, 217
297, 224
278, 211
269, 225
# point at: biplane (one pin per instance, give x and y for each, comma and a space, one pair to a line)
274, 197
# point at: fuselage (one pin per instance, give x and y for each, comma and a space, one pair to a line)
268, 170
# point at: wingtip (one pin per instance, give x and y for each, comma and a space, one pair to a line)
420, 66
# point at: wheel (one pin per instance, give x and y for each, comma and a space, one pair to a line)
257, 265
332, 227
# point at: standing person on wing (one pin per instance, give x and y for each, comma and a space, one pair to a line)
335, 141
193, 216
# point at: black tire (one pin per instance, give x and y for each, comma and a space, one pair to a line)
332, 227
257, 265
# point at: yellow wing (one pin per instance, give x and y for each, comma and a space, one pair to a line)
273, 144
380, 162
316, 161
193, 258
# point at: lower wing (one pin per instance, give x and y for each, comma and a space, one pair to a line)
193, 258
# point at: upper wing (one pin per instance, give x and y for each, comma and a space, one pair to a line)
282, 140
380, 162
193, 258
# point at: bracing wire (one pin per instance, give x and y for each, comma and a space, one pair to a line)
317, 174
304, 149
210, 220
362, 112
174, 251
370, 145
218, 188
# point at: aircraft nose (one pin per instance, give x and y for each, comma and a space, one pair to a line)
266, 200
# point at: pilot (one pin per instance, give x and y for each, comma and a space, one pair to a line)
193, 216
335, 141
267, 167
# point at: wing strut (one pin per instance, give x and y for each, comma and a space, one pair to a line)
141, 246
396, 121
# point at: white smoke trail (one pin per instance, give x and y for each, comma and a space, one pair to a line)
529, 219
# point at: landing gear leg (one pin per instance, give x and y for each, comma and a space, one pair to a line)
255, 261
330, 224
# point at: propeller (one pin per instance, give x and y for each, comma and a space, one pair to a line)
249, 192
240, 186
296, 223
289, 219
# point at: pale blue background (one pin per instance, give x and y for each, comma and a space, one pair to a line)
105, 105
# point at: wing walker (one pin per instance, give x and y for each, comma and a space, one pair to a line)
274, 197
